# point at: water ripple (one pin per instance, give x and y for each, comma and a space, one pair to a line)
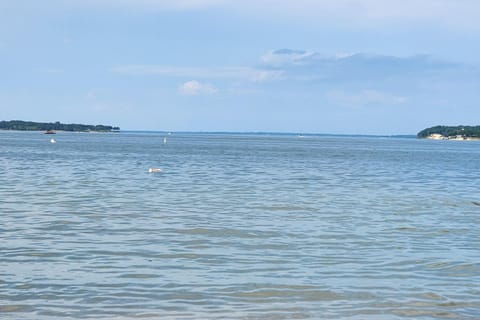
237, 227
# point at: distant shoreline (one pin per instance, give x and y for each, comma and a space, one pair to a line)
436, 136
237, 133
52, 127
267, 133
456, 133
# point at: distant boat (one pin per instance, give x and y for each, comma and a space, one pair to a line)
53, 141
151, 170
50, 132
164, 140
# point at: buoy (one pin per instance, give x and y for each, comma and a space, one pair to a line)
151, 170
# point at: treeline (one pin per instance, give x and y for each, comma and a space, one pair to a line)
56, 126
451, 131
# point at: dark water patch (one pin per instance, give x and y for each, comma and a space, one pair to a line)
227, 232
266, 296
14, 308
139, 276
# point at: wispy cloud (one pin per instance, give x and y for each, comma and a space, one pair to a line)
243, 73
287, 64
194, 87
286, 57
363, 79
283, 57
351, 67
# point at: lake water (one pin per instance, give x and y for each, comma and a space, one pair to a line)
238, 227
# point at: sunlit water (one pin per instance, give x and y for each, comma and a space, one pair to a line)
238, 227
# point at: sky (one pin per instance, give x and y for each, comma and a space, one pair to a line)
308, 66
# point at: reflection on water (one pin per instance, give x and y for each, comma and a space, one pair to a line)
238, 226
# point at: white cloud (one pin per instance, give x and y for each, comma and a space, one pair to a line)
193, 87
285, 56
364, 97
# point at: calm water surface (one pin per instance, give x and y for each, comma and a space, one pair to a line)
238, 227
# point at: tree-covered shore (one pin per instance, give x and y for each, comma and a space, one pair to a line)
55, 126
451, 132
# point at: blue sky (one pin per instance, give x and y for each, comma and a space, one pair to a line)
324, 66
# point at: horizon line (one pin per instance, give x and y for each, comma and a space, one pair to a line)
272, 132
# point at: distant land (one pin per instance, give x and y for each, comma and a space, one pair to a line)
451, 133
54, 126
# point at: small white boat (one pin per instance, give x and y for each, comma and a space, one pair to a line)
164, 140
152, 170
53, 141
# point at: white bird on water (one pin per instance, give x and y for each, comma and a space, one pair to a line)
151, 170
53, 141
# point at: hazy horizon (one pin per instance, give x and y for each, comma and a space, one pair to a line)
366, 67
